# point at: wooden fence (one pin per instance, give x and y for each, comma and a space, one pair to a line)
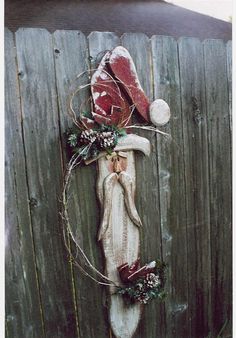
183, 189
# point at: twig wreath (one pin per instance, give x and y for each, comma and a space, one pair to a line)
104, 135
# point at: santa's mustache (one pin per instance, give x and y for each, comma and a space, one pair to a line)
128, 184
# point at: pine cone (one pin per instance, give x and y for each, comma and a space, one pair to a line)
88, 136
106, 139
143, 298
152, 280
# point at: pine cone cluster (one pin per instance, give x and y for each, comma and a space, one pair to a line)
143, 284
104, 140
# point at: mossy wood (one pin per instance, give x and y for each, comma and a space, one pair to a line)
183, 194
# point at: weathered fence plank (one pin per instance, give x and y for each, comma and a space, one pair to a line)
23, 318
172, 186
99, 42
194, 119
41, 135
229, 74
147, 184
220, 182
72, 59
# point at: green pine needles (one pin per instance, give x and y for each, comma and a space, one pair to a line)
144, 289
91, 142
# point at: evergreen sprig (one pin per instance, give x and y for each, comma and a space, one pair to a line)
143, 290
90, 142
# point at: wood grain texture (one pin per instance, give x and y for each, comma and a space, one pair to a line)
229, 75
170, 169
147, 197
193, 101
220, 183
23, 318
72, 58
41, 136
183, 194
121, 244
99, 42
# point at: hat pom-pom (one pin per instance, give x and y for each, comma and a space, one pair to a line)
159, 112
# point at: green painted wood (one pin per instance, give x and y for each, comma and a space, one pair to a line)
147, 185
197, 185
172, 187
220, 181
41, 136
23, 318
71, 59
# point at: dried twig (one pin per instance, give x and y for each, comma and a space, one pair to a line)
74, 161
149, 128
